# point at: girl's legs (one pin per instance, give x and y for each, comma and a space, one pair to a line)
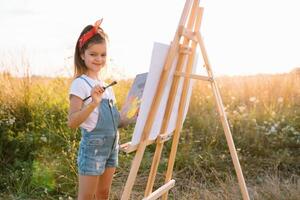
87, 187
97, 187
104, 183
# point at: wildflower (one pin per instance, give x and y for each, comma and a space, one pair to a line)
43, 138
296, 133
11, 121
225, 108
252, 99
242, 108
280, 100
273, 114
273, 129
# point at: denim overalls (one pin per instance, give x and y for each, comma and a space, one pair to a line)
98, 148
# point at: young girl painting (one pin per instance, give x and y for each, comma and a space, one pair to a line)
92, 108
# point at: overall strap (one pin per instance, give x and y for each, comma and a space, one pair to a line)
109, 100
86, 81
88, 84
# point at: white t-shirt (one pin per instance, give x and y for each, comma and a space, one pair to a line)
80, 88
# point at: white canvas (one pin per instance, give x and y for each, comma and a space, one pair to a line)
159, 54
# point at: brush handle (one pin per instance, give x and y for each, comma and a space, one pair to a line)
113, 83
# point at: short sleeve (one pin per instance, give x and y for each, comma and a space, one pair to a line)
78, 88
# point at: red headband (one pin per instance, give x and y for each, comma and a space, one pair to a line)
88, 35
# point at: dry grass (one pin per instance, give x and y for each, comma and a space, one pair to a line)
263, 112
270, 187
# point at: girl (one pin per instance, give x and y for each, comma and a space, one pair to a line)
93, 109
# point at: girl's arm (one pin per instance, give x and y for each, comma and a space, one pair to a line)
78, 114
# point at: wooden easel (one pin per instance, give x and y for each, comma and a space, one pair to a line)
183, 45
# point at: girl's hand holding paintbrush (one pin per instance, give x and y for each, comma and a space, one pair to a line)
97, 92
96, 95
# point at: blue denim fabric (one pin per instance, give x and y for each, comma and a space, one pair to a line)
99, 148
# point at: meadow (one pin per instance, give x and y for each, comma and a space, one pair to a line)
38, 150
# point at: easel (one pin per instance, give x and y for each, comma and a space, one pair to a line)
184, 46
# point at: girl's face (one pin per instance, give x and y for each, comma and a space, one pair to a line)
95, 57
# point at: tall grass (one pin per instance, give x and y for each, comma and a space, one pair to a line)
38, 150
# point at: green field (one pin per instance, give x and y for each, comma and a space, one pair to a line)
38, 150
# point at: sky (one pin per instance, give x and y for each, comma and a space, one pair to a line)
242, 37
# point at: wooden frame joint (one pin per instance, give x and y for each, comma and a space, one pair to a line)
189, 34
185, 49
164, 137
194, 76
128, 147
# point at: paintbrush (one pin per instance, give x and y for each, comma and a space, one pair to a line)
113, 83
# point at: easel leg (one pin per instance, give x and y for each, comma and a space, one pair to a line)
134, 170
174, 87
182, 103
154, 166
224, 121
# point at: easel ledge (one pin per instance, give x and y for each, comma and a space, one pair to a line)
129, 148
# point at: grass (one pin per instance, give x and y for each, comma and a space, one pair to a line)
38, 150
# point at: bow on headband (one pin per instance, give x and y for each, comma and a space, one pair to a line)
88, 35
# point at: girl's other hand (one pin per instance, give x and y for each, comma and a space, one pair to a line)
96, 94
